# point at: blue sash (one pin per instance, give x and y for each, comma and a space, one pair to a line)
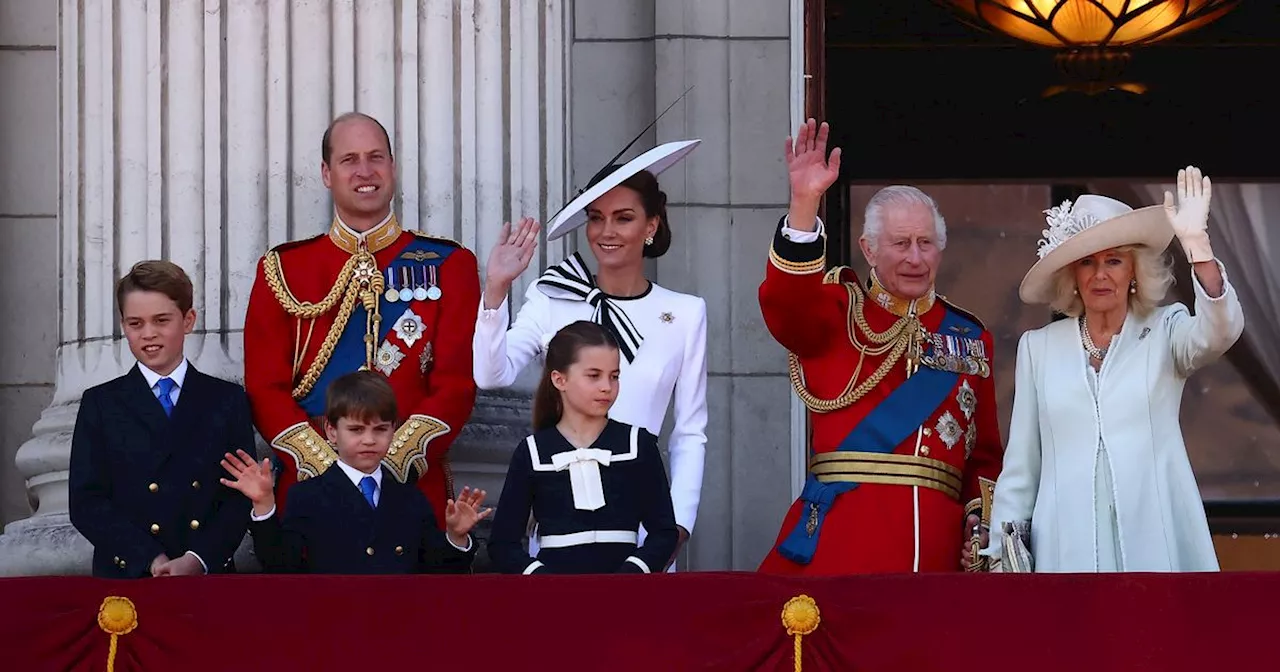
881, 431
349, 353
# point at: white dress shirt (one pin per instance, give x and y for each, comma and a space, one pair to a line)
798, 236
356, 476
178, 376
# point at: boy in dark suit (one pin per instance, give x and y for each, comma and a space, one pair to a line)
356, 518
144, 482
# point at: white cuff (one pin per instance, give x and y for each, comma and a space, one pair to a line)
533, 567
197, 557
464, 550
801, 237
492, 314
639, 563
258, 519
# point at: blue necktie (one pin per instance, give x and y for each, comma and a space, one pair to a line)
367, 486
165, 395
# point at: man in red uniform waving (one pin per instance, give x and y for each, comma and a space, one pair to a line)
366, 295
897, 381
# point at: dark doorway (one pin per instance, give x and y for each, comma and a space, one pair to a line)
914, 95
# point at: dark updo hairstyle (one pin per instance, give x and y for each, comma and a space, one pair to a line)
562, 352
654, 202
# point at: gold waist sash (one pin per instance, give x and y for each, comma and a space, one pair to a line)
844, 466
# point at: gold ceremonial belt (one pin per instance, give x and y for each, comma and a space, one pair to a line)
845, 466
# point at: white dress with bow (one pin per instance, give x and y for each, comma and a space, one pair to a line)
670, 365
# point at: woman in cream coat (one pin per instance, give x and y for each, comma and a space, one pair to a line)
1095, 457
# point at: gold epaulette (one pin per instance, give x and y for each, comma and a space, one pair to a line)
835, 276
289, 245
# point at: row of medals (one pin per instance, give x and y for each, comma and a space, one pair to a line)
957, 354
410, 288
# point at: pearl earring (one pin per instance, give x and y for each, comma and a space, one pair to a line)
1133, 286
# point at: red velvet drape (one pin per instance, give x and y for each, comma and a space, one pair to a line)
692, 621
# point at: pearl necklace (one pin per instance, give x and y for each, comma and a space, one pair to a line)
1093, 350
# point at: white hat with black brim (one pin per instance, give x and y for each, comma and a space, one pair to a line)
655, 161
1092, 225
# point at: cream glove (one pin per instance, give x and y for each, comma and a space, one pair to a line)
1190, 218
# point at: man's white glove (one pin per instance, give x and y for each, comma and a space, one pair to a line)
1190, 217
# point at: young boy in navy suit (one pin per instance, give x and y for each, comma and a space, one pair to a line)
356, 518
144, 483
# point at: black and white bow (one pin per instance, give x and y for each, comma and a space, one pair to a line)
571, 280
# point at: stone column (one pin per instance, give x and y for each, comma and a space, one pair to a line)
725, 201
190, 130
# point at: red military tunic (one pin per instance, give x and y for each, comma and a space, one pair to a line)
907, 511
423, 345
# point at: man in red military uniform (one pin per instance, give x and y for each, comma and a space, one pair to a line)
897, 381
366, 295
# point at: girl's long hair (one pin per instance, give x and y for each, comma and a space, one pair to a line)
562, 352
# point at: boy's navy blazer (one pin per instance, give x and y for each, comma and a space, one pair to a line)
328, 528
142, 483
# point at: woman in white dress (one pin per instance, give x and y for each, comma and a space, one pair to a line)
1095, 458
662, 334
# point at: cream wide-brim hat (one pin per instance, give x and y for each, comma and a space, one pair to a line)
655, 161
1092, 225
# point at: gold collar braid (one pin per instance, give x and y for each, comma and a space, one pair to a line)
375, 240
898, 305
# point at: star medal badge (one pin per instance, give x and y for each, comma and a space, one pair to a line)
388, 358
967, 399
410, 328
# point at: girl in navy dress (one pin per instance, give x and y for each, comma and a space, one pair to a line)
590, 482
